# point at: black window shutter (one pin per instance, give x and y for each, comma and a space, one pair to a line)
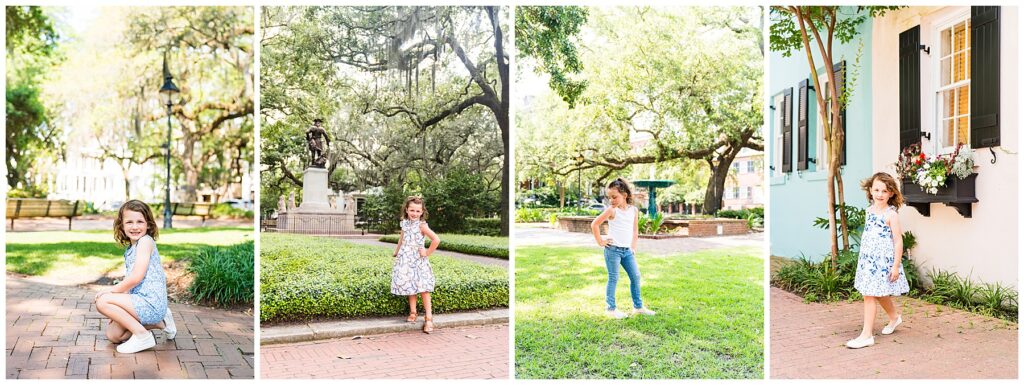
787, 130
801, 124
984, 77
840, 72
910, 87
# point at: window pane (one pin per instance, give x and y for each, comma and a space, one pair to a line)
947, 133
959, 37
963, 100
944, 72
959, 67
963, 130
945, 37
948, 104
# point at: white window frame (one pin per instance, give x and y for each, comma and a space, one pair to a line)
777, 101
936, 89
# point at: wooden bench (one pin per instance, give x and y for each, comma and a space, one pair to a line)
35, 208
188, 209
268, 224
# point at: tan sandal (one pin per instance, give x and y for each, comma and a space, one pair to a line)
428, 325
411, 318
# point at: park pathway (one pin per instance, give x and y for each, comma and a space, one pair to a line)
54, 331
534, 234
934, 342
468, 257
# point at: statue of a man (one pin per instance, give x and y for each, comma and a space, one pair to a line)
281, 205
319, 144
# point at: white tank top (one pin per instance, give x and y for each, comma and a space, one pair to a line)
620, 228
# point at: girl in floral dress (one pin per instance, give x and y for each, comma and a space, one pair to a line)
411, 274
879, 275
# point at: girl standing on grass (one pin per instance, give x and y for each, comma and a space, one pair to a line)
412, 274
879, 274
623, 220
139, 301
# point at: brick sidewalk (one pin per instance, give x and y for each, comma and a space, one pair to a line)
450, 353
807, 341
55, 332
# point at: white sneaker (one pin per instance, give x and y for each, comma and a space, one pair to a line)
617, 314
137, 343
858, 343
169, 329
644, 311
891, 327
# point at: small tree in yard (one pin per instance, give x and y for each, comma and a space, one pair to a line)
797, 28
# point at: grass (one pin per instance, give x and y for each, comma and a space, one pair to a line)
93, 252
487, 246
709, 323
304, 277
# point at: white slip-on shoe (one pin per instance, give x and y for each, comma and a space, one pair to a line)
644, 311
858, 343
137, 343
169, 329
891, 327
617, 314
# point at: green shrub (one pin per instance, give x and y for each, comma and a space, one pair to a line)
648, 225
225, 210
223, 275
302, 277
469, 244
533, 215
482, 226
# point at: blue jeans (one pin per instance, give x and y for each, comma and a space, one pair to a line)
613, 257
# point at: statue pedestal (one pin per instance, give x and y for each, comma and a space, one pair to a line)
314, 192
315, 215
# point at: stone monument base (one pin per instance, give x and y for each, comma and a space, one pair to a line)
326, 223
314, 192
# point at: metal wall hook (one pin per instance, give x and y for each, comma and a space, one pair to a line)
926, 135
812, 160
925, 49
993, 161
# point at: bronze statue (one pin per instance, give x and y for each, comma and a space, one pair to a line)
319, 144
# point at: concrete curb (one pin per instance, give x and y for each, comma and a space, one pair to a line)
369, 326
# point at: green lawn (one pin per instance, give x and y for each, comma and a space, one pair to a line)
709, 323
487, 246
93, 252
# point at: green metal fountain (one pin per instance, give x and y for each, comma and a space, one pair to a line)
652, 186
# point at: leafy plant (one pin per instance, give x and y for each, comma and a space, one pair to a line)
650, 225
223, 275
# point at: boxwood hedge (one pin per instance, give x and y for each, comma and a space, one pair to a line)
303, 277
469, 244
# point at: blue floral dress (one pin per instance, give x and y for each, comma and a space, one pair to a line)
877, 255
411, 274
149, 297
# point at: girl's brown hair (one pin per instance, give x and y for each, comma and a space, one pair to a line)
623, 187
896, 199
416, 200
139, 207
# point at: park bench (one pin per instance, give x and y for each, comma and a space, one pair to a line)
34, 208
268, 224
188, 209
364, 224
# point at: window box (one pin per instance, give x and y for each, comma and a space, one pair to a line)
958, 194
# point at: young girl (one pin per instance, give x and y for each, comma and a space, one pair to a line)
623, 220
411, 274
879, 274
139, 302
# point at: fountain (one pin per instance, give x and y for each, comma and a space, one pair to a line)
652, 186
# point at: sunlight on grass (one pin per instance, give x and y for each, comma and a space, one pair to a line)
93, 253
709, 321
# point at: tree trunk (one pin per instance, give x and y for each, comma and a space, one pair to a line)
716, 183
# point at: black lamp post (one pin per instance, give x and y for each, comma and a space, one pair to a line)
169, 91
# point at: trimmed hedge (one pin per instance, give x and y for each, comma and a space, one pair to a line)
469, 244
223, 275
303, 277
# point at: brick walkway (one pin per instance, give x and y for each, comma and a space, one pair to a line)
807, 341
450, 353
55, 332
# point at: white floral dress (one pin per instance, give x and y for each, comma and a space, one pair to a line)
411, 274
877, 255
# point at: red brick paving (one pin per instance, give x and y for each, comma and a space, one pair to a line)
807, 341
476, 352
55, 332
